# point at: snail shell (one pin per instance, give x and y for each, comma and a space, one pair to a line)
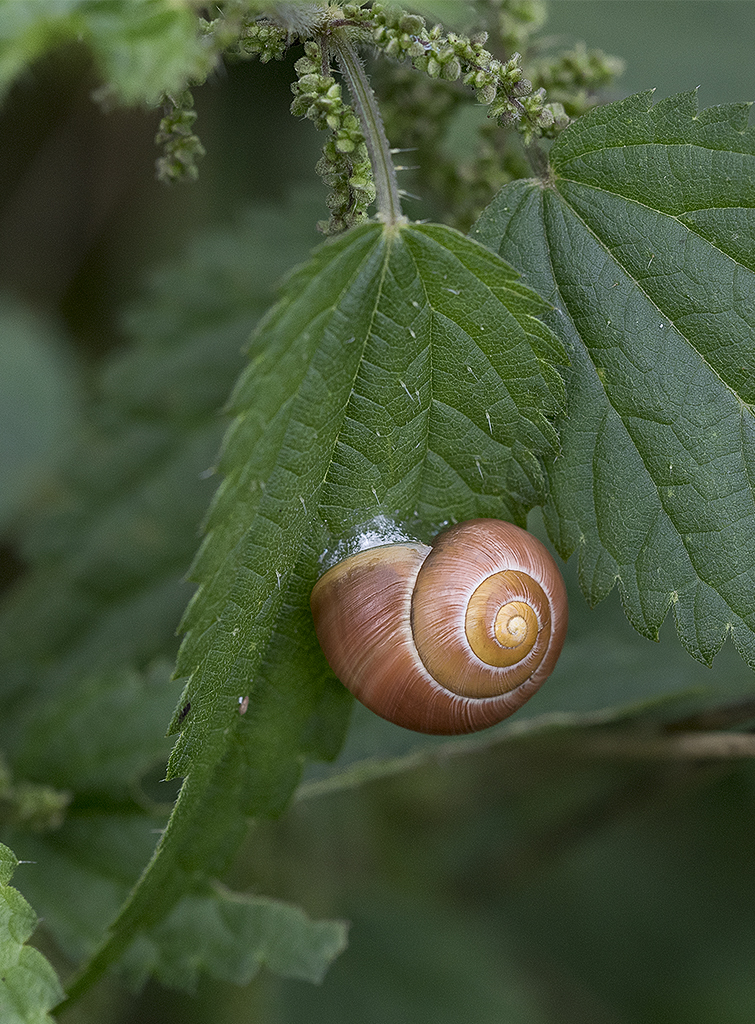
444, 639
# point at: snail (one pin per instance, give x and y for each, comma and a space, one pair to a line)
445, 639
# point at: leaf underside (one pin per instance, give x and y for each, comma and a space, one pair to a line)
231, 937
643, 241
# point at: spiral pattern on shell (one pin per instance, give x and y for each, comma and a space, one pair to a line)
444, 639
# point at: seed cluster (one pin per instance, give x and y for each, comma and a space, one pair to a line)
241, 31
345, 163
181, 148
499, 84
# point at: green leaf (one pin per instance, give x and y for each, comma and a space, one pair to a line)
29, 987
401, 372
642, 241
401, 375
230, 937
142, 49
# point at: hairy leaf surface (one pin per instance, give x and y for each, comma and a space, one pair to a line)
401, 376
642, 240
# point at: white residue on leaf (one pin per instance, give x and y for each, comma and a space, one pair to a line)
376, 532
381, 530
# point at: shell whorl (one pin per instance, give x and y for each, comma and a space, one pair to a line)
444, 639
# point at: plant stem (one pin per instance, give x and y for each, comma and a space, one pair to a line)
387, 197
538, 160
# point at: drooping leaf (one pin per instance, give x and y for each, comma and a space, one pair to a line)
401, 374
642, 240
29, 987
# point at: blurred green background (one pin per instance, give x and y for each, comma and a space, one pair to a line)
521, 884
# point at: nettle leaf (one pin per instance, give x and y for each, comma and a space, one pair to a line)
642, 240
29, 987
231, 937
402, 373
142, 49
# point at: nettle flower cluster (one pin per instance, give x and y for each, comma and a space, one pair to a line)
355, 157
325, 29
499, 84
345, 164
405, 37
181, 148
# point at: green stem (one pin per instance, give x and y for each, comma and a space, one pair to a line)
538, 160
363, 98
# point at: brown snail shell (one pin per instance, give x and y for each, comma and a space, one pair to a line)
444, 639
